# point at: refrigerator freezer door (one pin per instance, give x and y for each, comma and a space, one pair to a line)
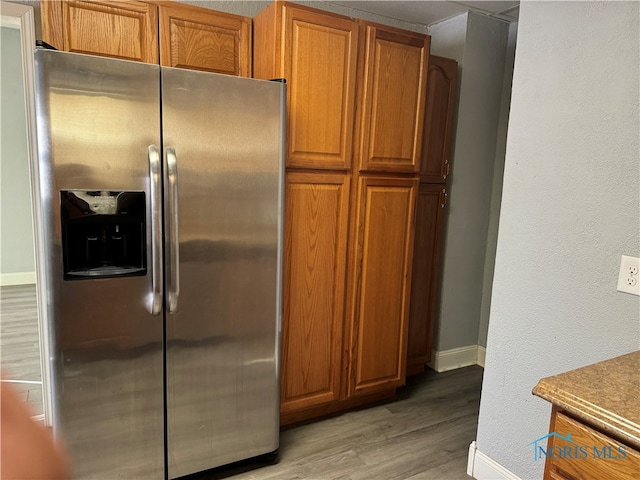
97, 118
225, 135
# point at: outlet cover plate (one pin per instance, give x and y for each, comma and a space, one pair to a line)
629, 277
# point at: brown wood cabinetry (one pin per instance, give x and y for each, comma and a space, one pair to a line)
202, 39
438, 119
434, 168
393, 66
316, 52
591, 454
344, 341
168, 33
124, 29
382, 266
424, 275
316, 214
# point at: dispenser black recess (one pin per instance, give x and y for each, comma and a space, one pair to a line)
103, 234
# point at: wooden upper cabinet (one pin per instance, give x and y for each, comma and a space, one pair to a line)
201, 39
169, 33
316, 52
424, 274
392, 97
382, 277
316, 216
121, 29
438, 119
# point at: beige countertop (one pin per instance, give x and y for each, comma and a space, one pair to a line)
605, 395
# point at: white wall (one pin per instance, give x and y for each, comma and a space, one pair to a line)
479, 44
570, 209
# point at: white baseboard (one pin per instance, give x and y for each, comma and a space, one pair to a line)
20, 278
482, 467
442, 361
482, 353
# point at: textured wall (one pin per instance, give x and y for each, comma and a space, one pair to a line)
496, 187
570, 209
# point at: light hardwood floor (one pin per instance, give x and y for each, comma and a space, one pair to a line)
19, 348
424, 434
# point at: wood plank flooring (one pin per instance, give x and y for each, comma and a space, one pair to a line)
422, 435
19, 344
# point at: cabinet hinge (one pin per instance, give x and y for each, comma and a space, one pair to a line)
445, 168
443, 198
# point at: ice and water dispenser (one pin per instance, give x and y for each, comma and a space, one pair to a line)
103, 234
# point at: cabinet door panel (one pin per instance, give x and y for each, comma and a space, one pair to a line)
608, 463
320, 68
424, 275
383, 271
201, 39
393, 98
314, 281
119, 29
438, 119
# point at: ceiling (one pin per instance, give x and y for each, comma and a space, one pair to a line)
427, 12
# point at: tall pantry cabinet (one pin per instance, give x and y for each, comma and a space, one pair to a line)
432, 198
356, 94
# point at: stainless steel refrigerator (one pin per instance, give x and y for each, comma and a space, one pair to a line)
161, 197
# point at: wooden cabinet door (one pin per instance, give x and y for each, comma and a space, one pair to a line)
202, 39
380, 306
603, 457
119, 29
438, 119
319, 60
316, 216
424, 275
392, 98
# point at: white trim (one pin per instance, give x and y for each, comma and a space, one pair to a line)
471, 458
12, 13
483, 467
19, 278
454, 358
482, 353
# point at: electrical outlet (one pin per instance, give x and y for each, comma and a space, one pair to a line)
629, 278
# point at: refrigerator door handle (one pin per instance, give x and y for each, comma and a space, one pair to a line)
174, 252
155, 179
